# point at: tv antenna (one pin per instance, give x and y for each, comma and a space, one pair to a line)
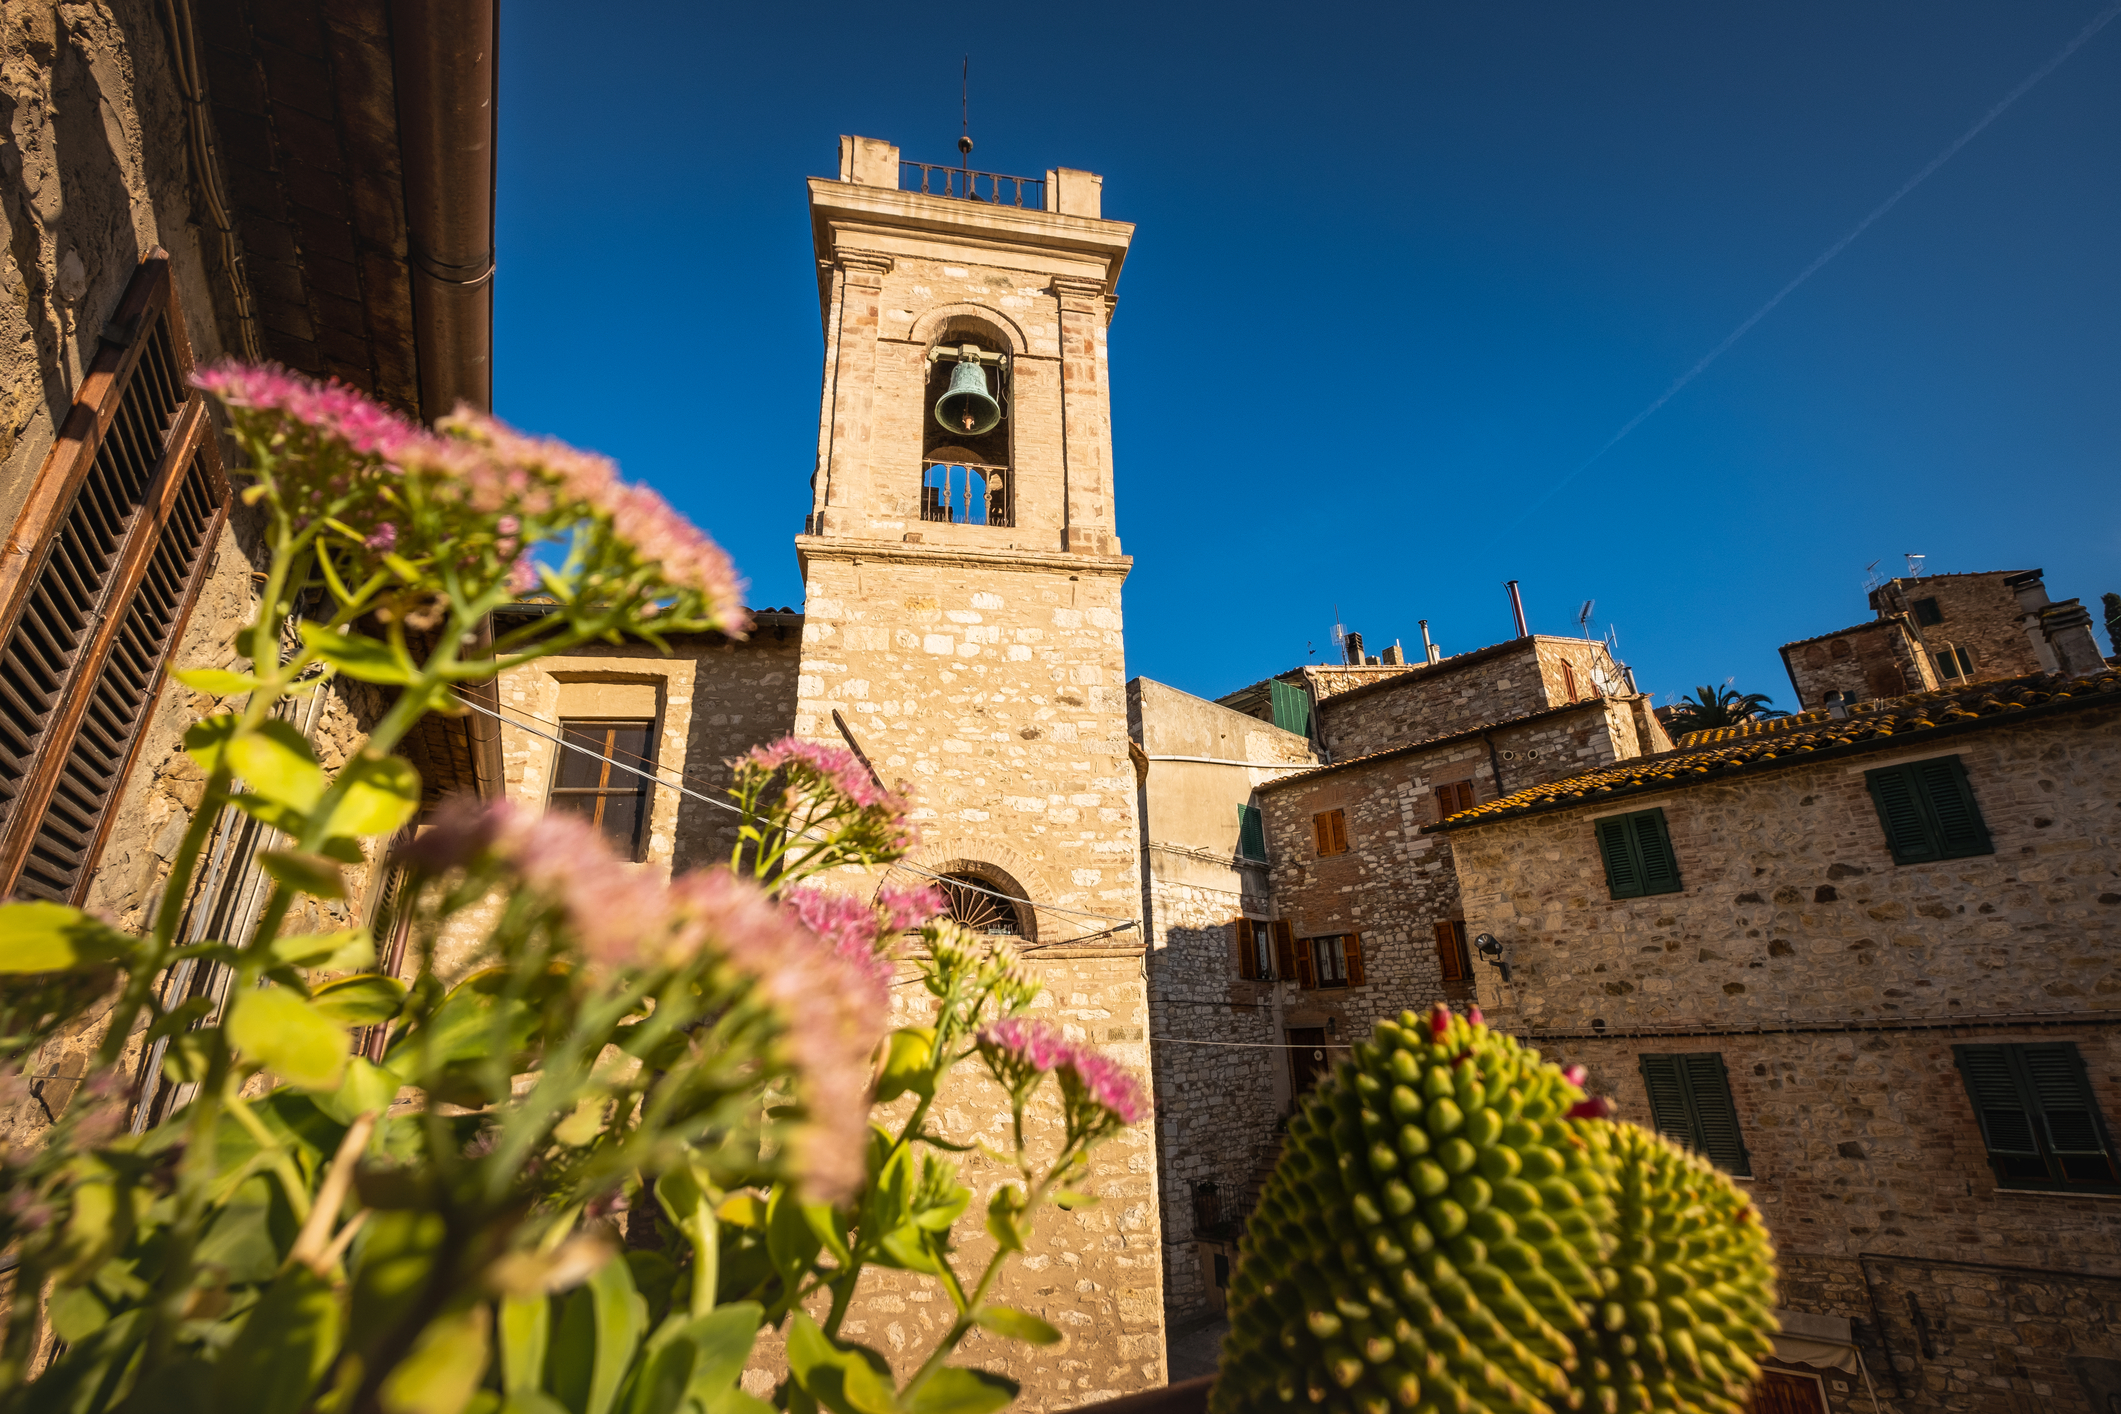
1914, 565
964, 140
1583, 616
1870, 576
1340, 632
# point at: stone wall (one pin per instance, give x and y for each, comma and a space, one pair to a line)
1878, 659
1489, 685
1980, 615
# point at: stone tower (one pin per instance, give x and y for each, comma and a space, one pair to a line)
962, 630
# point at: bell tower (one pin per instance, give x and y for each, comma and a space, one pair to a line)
962, 571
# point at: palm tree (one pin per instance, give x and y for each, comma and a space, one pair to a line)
1713, 707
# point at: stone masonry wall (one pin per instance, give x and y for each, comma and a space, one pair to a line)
1509, 680
1868, 661
1980, 616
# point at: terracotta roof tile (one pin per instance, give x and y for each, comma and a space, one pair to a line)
1790, 740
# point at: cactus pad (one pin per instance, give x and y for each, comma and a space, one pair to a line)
1455, 1228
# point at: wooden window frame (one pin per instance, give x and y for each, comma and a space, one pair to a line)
1697, 1096
1254, 943
1920, 805
1311, 956
1453, 962
1636, 849
1452, 797
1329, 831
640, 787
188, 461
2007, 1072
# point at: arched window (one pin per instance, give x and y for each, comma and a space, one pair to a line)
986, 900
965, 460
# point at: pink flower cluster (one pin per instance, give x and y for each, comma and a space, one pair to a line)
331, 408
1038, 1047
865, 934
840, 769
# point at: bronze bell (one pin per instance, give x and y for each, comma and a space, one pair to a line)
966, 407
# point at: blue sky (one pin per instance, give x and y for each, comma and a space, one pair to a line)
1399, 269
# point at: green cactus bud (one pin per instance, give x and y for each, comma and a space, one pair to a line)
1454, 1229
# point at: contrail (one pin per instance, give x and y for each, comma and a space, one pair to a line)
2098, 23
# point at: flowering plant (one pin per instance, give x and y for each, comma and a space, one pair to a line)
374, 1194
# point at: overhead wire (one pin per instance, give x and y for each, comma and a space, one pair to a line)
654, 778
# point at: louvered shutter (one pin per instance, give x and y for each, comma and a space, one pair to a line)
1306, 974
1354, 958
1653, 850
1450, 951
1950, 798
97, 578
1667, 1090
1623, 875
2067, 1109
1324, 833
2004, 1110
1251, 832
1247, 953
1715, 1116
1339, 820
1291, 707
1284, 951
1893, 791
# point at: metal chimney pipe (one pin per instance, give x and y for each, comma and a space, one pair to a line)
1517, 607
1428, 649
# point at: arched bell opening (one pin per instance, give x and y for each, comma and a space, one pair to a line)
966, 436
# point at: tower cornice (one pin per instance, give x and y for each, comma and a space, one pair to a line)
845, 550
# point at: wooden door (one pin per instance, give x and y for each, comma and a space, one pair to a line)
1307, 1058
1781, 1393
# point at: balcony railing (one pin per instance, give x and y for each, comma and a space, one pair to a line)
964, 185
965, 493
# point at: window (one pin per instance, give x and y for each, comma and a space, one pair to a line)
964, 493
1928, 811
1251, 832
1452, 797
1330, 962
1690, 1104
1452, 960
1638, 854
116, 537
2038, 1117
1291, 706
1255, 950
1331, 828
988, 901
1927, 612
1568, 678
1955, 662
597, 786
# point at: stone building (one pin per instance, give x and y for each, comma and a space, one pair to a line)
1867, 962
186, 181
1942, 630
1294, 902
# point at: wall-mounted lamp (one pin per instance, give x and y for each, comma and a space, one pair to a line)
1491, 952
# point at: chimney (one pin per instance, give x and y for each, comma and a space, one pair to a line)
1429, 651
1393, 657
1354, 646
2031, 591
1517, 607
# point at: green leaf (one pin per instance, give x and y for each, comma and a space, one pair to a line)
50, 937
908, 1247
275, 761
290, 1038
462, 1027
76, 1314
367, 1089
1017, 1325
789, 1241
526, 1326
216, 682
733, 1400
397, 1252
205, 740
620, 1315
831, 1230
663, 1379
366, 999
445, 1366
531, 1401
939, 1217
908, 1064
722, 1339
845, 1379
381, 794
286, 1344
1002, 1211
1069, 1199
954, 1390
347, 950
307, 873
364, 659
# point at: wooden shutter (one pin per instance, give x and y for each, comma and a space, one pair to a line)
1251, 832
2003, 1109
1284, 951
1451, 950
97, 579
1690, 1104
1291, 707
1323, 832
2067, 1110
1353, 949
1623, 876
1339, 822
1306, 974
1900, 812
1653, 848
1247, 951
1950, 799
1452, 797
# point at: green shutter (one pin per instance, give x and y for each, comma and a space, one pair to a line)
1950, 798
2004, 1110
2067, 1108
1893, 791
1623, 876
1292, 706
1251, 832
1653, 846
1668, 1111
1715, 1117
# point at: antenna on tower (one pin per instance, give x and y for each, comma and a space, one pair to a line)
964, 140
1583, 616
1340, 633
1870, 576
1914, 565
